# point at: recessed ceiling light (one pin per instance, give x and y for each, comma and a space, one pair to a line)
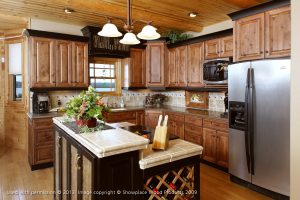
192, 14
68, 10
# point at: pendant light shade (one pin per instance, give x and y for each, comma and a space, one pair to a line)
109, 30
130, 39
148, 33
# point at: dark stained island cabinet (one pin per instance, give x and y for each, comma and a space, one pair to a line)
112, 163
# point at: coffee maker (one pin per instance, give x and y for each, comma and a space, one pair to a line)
39, 102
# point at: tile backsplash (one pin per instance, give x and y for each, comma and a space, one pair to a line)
136, 98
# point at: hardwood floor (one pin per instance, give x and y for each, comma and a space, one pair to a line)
16, 176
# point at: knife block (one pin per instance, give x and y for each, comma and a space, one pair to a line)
161, 138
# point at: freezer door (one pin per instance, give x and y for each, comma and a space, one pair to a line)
271, 125
237, 155
237, 75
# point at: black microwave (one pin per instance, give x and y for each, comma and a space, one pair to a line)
216, 72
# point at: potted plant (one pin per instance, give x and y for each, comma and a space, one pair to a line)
86, 108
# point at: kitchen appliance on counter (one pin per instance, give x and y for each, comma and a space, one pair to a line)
215, 72
259, 117
39, 102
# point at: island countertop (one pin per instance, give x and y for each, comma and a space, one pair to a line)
106, 142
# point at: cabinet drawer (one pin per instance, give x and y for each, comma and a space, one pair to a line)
193, 119
207, 123
221, 126
194, 129
175, 117
43, 123
44, 154
44, 137
120, 116
193, 137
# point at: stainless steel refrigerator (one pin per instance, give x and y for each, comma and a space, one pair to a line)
259, 118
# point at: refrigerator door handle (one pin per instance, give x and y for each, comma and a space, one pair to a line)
251, 120
246, 120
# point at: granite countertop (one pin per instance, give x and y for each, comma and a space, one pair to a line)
199, 112
178, 149
106, 142
45, 115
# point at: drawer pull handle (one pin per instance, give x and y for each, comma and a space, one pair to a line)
58, 140
78, 157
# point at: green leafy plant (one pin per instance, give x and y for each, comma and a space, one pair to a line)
175, 36
88, 105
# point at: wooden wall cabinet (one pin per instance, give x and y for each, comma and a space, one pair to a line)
155, 64
264, 35
40, 143
42, 62
219, 48
134, 69
177, 67
195, 59
278, 32
215, 142
58, 63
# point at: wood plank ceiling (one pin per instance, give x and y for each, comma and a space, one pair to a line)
165, 14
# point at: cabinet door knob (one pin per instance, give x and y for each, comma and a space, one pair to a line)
267, 51
78, 157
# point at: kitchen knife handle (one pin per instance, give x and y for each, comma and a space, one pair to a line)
159, 120
165, 121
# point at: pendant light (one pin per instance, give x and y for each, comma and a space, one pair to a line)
110, 30
148, 32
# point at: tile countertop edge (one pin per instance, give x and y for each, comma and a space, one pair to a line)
178, 149
99, 151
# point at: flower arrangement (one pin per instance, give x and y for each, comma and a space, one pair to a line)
86, 108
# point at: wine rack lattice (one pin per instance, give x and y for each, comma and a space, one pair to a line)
172, 185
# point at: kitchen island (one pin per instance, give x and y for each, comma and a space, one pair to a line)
117, 164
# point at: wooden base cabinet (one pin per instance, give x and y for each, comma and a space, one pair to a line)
176, 124
151, 118
215, 142
78, 172
40, 143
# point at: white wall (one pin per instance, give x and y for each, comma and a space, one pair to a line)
57, 27
213, 28
295, 102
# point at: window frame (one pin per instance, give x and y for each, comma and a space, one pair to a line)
110, 61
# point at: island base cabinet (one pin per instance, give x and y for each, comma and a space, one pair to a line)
81, 175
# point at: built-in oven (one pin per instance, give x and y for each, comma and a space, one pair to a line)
216, 71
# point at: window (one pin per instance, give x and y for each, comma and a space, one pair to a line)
104, 75
17, 87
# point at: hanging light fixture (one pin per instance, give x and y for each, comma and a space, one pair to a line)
109, 30
148, 32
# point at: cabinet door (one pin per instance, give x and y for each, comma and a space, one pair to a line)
181, 66
212, 49
80, 64
57, 166
42, 71
151, 118
209, 145
222, 148
249, 38
172, 70
64, 64
226, 45
137, 68
140, 118
278, 32
195, 65
155, 63
179, 129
